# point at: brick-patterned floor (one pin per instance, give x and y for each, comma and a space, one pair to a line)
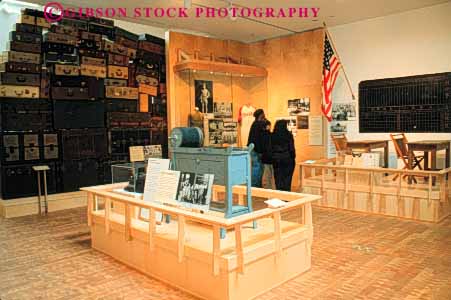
355, 256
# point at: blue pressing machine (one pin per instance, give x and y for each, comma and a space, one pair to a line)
230, 165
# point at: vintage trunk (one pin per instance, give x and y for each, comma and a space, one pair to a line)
121, 105
21, 57
15, 67
26, 28
70, 93
92, 53
94, 61
128, 120
24, 47
101, 29
121, 92
60, 58
118, 60
57, 38
117, 72
148, 89
26, 115
91, 36
7, 78
70, 81
93, 71
77, 24
66, 30
58, 48
127, 42
29, 20
116, 82
83, 144
141, 79
70, 114
66, 70
14, 91
90, 44
112, 47
24, 37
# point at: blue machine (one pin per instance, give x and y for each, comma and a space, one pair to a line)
230, 166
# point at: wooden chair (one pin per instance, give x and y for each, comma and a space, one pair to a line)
341, 143
400, 142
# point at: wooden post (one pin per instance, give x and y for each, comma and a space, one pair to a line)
430, 189
181, 237
346, 183
277, 234
107, 215
151, 228
443, 191
301, 178
90, 203
216, 249
308, 221
127, 222
239, 249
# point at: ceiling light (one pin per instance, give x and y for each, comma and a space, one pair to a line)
187, 4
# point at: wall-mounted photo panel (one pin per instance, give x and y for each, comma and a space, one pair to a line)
344, 112
299, 106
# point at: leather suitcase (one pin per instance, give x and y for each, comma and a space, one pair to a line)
101, 22
78, 114
22, 57
24, 47
120, 32
117, 72
143, 103
92, 53
69, 93
116, 82
102, 30
131, 53
121, 105
148, 89
118, 60
151, 47
66, 30
15, 67
58, 48
42, 22
70, 81
149, 70
27, 28
128, 120
57, 38
50, 146
26, 19
60, 58
85, 35
80, 173
141, 79
112, 47
13, 179
121, 92
126, 42
83, 143
93, 71
77, 24
90, 44
7, 78
45, 85
17, 36
86, 60
66, 70
14, 91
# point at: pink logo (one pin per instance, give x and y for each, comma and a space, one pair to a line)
50, 12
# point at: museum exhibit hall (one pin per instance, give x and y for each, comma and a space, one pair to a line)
225, 149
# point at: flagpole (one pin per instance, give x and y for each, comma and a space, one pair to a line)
341, 65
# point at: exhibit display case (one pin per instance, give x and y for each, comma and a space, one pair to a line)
188, 252
218, 94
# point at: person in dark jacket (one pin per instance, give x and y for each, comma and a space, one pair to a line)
268, 171
283, 155
256, 134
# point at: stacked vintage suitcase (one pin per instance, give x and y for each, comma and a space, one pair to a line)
69, 99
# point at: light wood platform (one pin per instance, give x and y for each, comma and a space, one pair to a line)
188, 253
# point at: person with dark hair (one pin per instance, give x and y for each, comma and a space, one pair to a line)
256, 137
268, 170
283, 155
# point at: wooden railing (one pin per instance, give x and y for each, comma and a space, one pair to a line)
397, 179
215, 222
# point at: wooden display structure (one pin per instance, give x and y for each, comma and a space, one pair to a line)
379, 190
188, 252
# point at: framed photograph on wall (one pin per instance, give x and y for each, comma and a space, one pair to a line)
344, 112
222, 109
299, 106
203, 91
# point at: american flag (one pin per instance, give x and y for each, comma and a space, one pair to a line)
331, 67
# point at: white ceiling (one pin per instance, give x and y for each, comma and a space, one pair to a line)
333, 12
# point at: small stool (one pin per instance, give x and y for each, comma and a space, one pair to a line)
42, 169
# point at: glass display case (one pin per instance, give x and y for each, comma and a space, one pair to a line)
133, 173
219, 97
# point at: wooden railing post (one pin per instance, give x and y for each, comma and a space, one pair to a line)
181, 237
151, 228
90, 204
216, 249
443, 190
127, 222
277, 234
107, 214
239, 249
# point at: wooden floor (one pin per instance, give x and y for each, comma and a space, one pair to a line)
355, 256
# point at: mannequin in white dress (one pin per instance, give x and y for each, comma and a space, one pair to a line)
245, 118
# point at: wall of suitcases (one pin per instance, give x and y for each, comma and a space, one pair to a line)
75, 95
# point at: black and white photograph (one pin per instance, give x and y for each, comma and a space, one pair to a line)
230, 137
223, 109
215, 125
299, 106
338, 127
302, 122
195, 190
343, 112
152, 151
215, 138
203, 90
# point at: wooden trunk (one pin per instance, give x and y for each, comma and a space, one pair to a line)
93, 71
13, 91
121, 92
118, 72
